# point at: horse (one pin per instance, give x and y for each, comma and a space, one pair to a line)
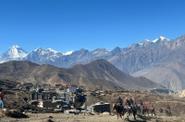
119, 108
122, 110
147, 109
132, 109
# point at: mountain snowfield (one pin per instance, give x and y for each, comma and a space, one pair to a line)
17, 53
14, 53
157, 40
146, 58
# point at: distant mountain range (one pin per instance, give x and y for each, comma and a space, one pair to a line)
118, 56
161, 60
97, 74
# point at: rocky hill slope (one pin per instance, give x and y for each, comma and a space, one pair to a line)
96, 74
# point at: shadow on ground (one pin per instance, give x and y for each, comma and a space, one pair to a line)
141, 118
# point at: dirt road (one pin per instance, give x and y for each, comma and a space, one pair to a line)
50, 117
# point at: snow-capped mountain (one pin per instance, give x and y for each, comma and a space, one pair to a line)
161, 39
100, 52
69, 58
14, 53
131, 59
68, 53
43, 56
147, 42
137, 57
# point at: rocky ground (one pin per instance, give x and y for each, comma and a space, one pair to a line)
59, 117
159, 101
177, 105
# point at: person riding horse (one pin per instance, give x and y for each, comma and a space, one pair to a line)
131, 107
119, 100
119, 107
127, 107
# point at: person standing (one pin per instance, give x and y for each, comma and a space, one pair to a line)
1, 98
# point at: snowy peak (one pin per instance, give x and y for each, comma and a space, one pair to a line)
41, 51
44, 54
160, 39
99, 52
52, 50
67, 53
146, 42
15, 52
163, 38
116, 50
141, 43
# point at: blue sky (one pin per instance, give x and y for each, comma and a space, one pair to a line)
73, 24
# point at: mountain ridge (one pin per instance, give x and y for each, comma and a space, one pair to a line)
96, 52
99, 73
133, 59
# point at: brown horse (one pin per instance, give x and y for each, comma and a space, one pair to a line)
148, 109
122, 110
119, 108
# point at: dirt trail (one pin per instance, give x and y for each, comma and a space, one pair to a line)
58, 117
